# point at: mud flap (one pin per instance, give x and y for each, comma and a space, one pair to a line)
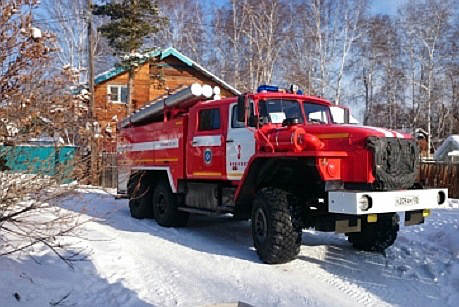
343, 225
413, 218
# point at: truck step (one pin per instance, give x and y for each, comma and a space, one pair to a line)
205, 211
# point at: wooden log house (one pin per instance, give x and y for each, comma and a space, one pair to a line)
162, 72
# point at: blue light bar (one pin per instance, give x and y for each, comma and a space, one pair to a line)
268, 88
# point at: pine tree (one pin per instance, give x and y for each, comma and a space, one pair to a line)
131, 22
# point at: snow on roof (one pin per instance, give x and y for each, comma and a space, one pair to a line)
102, 77
450, 144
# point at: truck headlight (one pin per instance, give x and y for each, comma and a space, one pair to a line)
365, 202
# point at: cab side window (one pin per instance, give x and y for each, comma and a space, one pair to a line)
209, 119
316, 113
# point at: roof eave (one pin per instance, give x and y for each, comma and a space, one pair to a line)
170, 51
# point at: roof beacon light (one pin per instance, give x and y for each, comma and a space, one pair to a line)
267, 88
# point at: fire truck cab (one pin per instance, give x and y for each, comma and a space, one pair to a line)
277, 157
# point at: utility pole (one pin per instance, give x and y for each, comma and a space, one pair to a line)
90, 60
367, 106
131, 75
91, 115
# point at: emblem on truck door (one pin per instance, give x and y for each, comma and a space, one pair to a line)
207, 156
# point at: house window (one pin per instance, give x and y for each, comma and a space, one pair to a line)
209, 119
117, 93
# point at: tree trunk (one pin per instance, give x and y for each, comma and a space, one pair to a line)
130, 91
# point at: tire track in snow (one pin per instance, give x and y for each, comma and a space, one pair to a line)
371, 278
220, 248
360, 296
129, 266
163, 287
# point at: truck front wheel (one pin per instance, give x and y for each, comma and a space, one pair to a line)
276, 226
376, 237
165, 207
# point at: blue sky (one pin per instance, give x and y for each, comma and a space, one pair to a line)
386, 6
377, 6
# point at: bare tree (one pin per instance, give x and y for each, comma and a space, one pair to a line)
452, 81
426, 25
353, 17
381, 71
186, 28
328, 30
68, 20
229, 44
269, 26
35, 102
251, 36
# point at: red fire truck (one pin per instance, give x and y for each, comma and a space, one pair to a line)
285, 160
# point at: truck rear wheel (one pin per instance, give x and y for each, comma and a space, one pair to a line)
276, 226
376, 237
140, 196
165, 207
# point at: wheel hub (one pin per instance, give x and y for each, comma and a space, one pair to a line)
261, 227
161, 204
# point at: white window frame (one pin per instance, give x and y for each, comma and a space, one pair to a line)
118, 87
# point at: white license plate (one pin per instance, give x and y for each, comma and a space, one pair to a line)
407, 201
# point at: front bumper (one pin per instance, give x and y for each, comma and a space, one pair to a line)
348, 202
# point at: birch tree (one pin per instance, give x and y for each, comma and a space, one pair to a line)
328, 31
68, 19
426, 23
229, 42
254, 33
186, 29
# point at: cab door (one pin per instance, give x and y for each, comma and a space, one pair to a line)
206, 143
240, 145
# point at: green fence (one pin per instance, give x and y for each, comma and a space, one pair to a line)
40, 159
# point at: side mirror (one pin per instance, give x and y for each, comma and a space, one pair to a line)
241, 109
252, 121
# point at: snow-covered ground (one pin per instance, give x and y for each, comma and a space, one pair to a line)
138, 263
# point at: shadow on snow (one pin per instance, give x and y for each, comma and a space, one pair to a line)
46, 280
382, 275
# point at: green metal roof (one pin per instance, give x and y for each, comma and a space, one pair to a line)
101, 78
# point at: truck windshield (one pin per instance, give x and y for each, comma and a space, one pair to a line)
276, 110
317, 113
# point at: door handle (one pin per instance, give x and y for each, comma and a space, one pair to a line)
229, 141
194, 142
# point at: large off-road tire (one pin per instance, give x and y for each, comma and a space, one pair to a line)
165, 207
140, 196
376, 237
276, 226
